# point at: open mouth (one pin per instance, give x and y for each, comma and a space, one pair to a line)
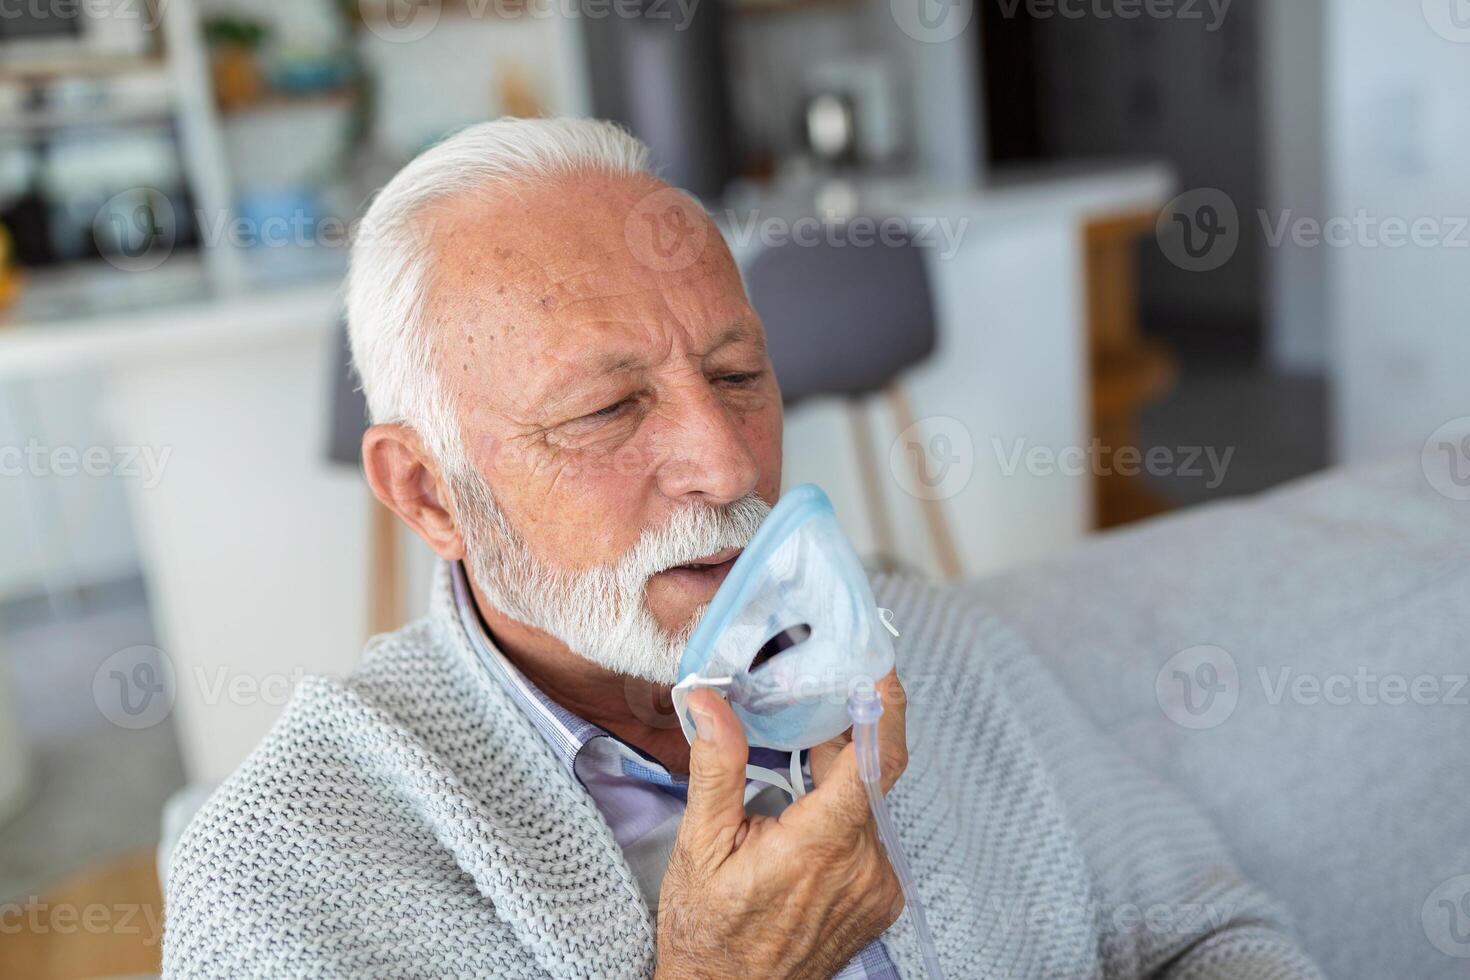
705, 574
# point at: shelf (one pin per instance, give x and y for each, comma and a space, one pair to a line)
91, 66
488, 10
285, 102
49, 120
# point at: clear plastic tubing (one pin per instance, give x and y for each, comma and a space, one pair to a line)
865, 708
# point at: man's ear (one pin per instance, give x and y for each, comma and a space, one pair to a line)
405, 477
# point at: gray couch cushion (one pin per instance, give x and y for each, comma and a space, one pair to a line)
1353, 810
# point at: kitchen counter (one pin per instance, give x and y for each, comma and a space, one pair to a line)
79, 320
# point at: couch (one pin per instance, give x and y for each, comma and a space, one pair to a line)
1336, 758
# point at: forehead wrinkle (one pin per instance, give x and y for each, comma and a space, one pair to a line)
739, 329
523, 261
599, 282
505, 273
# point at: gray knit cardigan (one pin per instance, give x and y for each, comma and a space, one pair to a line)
410, 822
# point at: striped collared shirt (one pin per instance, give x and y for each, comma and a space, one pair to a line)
640, 799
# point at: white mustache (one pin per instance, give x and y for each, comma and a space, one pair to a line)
691, 534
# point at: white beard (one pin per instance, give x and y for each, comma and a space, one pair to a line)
600, 613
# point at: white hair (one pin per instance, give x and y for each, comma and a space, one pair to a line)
389, 277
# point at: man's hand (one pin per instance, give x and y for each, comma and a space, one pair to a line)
791, 896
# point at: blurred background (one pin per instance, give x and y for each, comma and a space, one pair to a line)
1135, 258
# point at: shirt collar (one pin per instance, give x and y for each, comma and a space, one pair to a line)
566, 733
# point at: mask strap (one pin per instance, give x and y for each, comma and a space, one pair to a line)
763, 775
798, 779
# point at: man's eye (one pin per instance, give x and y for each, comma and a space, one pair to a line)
612, 411
738, 378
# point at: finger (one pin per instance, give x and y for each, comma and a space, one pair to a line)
715, 810
821, 757
892, 736
838, 804
893, 747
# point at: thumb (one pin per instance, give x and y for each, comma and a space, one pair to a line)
715, 811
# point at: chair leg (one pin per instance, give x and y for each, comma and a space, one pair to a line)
939, 533
871, 477
385, 570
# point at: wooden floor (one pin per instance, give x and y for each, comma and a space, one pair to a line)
103, 922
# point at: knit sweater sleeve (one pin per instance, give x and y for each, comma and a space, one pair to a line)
1168, 899
320, 857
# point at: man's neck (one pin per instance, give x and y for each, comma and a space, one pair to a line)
634, 710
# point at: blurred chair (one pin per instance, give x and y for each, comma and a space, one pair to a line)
15, 779
847, 320
349, 418
1128, 371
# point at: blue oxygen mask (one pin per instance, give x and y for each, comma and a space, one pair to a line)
797, 585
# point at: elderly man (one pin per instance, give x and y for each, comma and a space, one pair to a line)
574, 409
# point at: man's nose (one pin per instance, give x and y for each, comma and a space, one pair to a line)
706, 451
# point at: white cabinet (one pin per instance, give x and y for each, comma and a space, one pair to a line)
64, 518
